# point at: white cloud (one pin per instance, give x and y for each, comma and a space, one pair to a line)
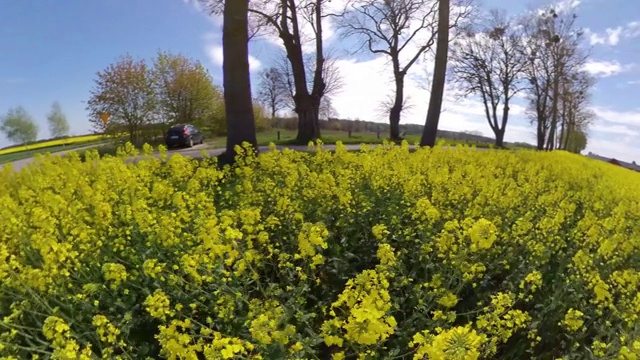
214, 52
613, 129
605, 68
624, 126
610, 37
622, 148
631, 118
613, 36
566, 5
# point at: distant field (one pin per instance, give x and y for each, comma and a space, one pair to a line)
52, 144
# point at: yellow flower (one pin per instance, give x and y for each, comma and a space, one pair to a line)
380, 232
106, 331
310, 240
114, 273
533, 281
268, 324
152, 268
572, 320
482, 235
158, 305
386, 255
367, 302
460, 342
449, 300
238, 262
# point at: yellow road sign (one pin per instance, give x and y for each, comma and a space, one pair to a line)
105, 117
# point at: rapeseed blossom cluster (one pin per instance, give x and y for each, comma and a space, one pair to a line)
385, 253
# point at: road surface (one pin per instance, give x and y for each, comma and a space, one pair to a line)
194, 152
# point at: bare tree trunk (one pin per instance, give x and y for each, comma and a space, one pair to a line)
241, 125
505, 118
308, 124
132, 134
307, 104
430, 130
396, 109
308, 127
273, 110
541, 133
500, 138
563, 128
569, 127
554, 105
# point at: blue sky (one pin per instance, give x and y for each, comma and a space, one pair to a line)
51, 51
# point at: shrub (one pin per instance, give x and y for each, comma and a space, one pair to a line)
386, 253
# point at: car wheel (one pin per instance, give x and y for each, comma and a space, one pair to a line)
190, 142
201, 140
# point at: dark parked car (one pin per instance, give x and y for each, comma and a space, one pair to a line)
184, 135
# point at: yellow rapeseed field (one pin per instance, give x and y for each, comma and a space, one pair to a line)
382, 254
57, 142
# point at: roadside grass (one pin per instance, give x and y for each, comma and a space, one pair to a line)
287, 137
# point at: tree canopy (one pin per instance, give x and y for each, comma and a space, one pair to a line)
18, 126
143, 99
58, 124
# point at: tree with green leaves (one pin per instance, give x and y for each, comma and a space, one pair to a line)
58, 125
186, 93
126, 90
576, 141
18, 126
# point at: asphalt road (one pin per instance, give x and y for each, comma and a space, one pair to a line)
194, 152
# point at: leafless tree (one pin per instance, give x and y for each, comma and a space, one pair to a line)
283, 66
430, 129
402, 30
489, 62
386, 105
287, 19
273, 92
553, 51
327, 111
331, 76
